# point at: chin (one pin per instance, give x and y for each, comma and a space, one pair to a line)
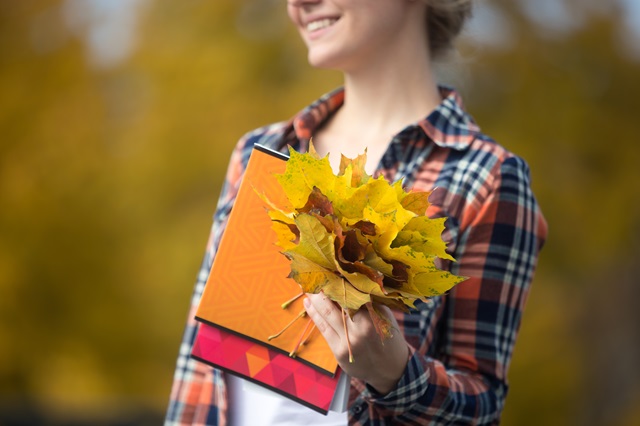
317, 63
323, 60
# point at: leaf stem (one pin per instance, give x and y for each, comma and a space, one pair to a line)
344, 321
301, 340
286, 304
346, 332
304, 342
300, 315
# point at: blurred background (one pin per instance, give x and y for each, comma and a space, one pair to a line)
117, 118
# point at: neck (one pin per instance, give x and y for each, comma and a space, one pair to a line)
381, 101
389, 101
386, 88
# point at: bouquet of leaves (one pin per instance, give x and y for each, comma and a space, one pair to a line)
362, 242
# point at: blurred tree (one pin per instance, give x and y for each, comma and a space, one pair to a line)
109, 177
567, 104
109, 180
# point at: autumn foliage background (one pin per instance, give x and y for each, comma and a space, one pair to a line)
110, 170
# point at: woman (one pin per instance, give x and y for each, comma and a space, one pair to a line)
449, 364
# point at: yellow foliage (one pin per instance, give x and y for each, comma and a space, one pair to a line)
358, 237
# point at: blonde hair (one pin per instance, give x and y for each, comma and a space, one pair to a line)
445, 20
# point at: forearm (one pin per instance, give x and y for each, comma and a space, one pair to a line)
429, 392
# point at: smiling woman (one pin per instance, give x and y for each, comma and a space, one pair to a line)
345, 34
447, 364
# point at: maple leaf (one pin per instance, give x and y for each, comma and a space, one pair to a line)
311, 276
380, 322
316, 244
416, 201
362, 242
285, 234
358, 175
306, 171
423, 234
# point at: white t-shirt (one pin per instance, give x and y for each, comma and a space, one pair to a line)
250, 405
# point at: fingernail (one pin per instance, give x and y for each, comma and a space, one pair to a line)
306, 302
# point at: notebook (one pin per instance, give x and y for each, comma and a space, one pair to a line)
241, 304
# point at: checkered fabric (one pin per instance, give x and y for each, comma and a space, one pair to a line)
461, 342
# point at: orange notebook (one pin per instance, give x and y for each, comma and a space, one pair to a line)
248, 280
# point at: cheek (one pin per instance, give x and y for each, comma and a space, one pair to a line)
292, 12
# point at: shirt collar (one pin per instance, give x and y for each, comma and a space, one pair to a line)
448, 125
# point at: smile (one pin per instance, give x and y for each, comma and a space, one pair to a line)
320, 24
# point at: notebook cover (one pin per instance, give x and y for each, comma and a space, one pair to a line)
248, 280
268, 368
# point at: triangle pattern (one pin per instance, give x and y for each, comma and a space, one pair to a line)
256, 363
288, 385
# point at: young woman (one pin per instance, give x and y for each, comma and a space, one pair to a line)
449, 363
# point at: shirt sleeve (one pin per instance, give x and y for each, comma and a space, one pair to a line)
194, 394
497, 248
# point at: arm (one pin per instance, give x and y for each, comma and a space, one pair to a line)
497, 248
198, 391
463, 380
192, 379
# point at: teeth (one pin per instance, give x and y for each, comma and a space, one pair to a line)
319, 24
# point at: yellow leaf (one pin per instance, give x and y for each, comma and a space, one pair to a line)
285, 238
361, 282
311, 277
385, 222
280, 216
361, 241
316, 244
416, 202
344, 294
380, 321
302, 173
424, 234
379, 196
271, 205
376, 262
357, 173
434, 283
394, 301
312, 150
416, 261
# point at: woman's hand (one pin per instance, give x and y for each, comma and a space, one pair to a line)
379, 362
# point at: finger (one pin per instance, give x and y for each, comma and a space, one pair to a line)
330, 311
323, 314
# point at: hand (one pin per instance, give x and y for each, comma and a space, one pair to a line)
379, 362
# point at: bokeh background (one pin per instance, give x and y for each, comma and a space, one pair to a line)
117, 118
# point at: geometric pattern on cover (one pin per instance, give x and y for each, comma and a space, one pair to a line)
249, 276
266, 367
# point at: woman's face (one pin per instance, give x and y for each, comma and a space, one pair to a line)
347, 34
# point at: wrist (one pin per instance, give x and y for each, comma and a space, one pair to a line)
386, 379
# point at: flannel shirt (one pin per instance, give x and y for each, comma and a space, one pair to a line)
461, 342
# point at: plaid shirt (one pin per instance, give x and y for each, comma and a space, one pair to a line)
461, 342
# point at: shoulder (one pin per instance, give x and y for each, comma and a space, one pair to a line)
466, 161
494, 159
485, 160
497, 162
472, 175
